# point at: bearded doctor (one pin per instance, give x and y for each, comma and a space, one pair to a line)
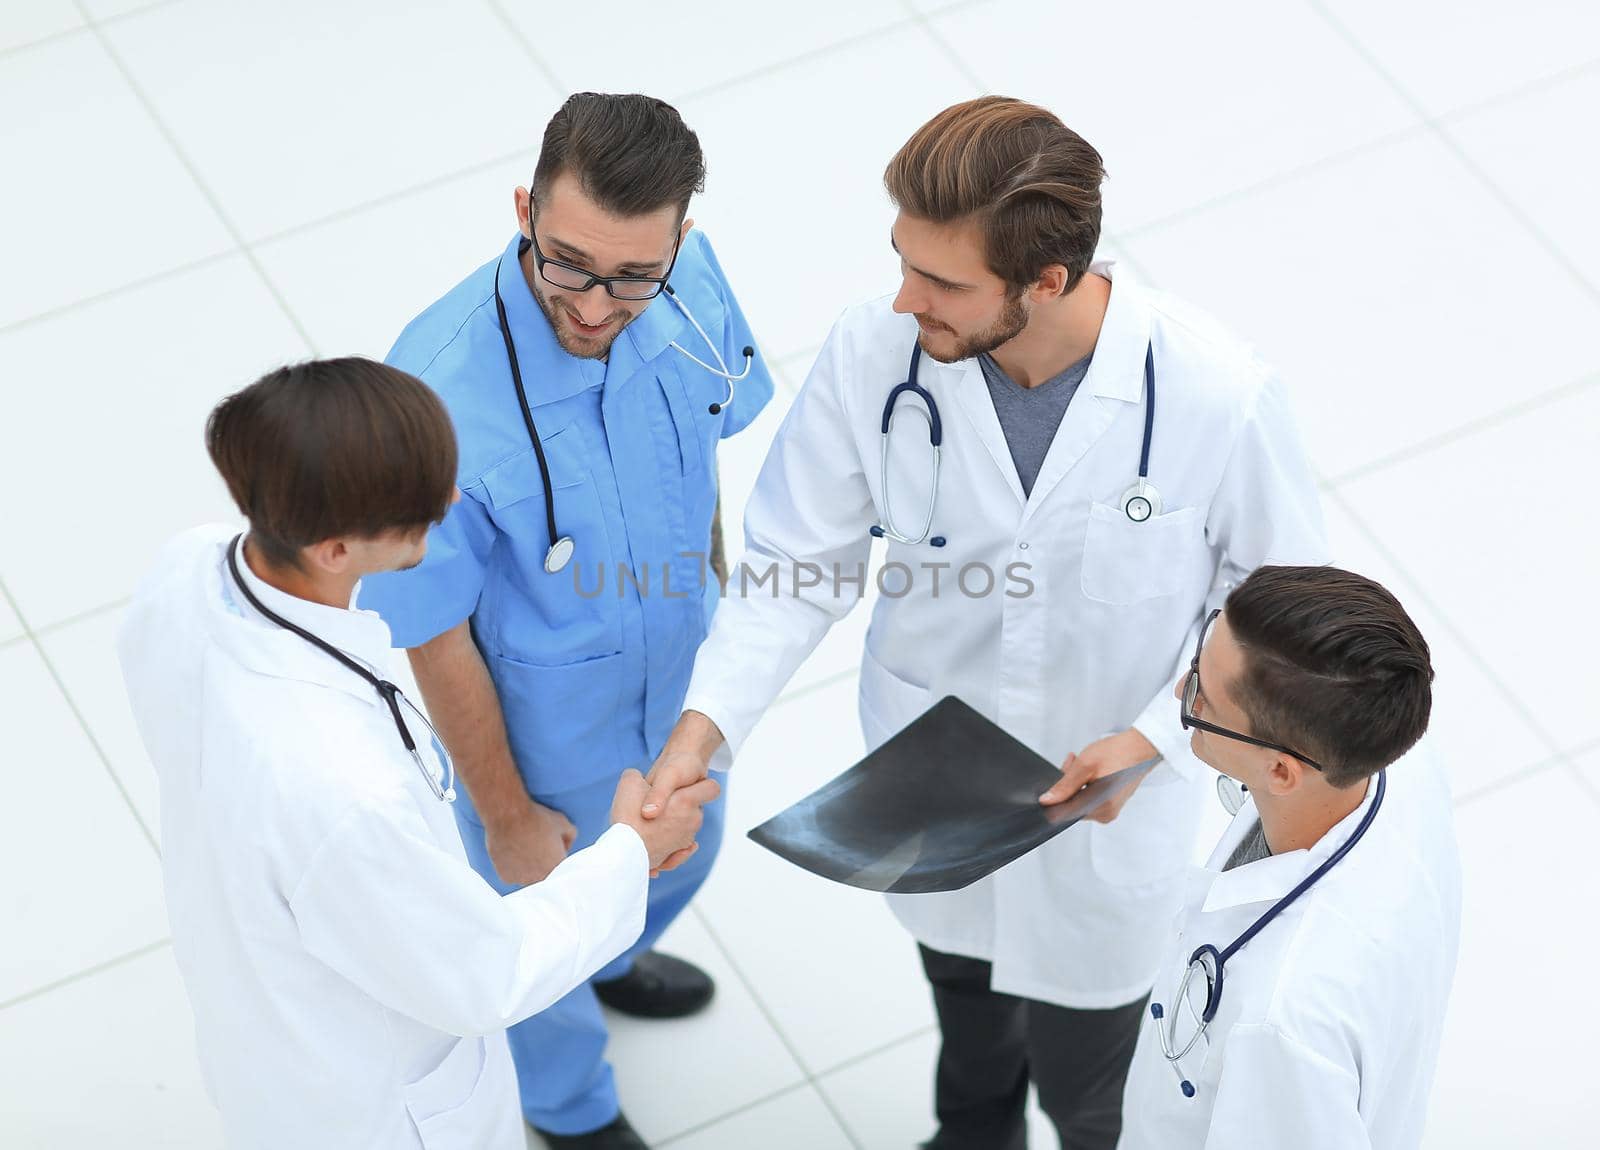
350, 974
1077, 471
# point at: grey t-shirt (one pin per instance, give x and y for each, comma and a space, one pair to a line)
1029, 416
1252, 848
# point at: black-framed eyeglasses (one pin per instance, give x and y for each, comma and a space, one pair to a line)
569, 277
1191, 693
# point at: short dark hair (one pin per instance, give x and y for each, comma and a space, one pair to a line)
1029, 182
1334, 667
631, 154
333, 447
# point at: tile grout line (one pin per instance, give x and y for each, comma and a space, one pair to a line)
83, 722
113, 292
883, 1048
816, 1085
1437, 128
743, 1108
1489, 672
248, 248
340, 214
787, 63
1277, 179
945, 47
526, 45
1467, 430
81, 617
1520, 775
212, 200
771, 1020
88, 25
79, 976
1522, 91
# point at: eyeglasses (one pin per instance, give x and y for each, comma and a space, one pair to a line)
568, 277
1191, 693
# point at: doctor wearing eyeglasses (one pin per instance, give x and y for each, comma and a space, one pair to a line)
591, 370
1303, 995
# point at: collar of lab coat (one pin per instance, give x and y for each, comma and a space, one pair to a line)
1117, 370
1269, 879
550, 373
268, 649
1115, 373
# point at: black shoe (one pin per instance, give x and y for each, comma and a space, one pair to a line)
658, 986
618, 1135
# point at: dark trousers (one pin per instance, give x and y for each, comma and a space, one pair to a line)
994, 1043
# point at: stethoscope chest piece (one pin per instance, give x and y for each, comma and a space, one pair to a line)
559, 555
1141, 502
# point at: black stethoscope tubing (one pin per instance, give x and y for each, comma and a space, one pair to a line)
387, 691
1140, 492
552, 555
1218, 959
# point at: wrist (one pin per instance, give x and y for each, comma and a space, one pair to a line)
510, 813
1139, 745
695, 735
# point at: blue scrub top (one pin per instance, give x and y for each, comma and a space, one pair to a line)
591, 669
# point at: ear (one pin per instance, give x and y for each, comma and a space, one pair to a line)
1051, 284
1285, 775
524, 204
329, 557
688, 226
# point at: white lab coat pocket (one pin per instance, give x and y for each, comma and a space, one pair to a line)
450, 1105
888, 703
1126, 562
1147, 844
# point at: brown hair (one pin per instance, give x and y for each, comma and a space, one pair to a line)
1333, 667
333, 447
1030, 183
632, 154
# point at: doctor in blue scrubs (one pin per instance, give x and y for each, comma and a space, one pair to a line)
554, 624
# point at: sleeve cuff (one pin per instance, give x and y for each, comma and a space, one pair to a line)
1159, 722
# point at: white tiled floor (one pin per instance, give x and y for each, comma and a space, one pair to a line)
1394, 201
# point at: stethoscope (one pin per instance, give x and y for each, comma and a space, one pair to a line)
1211, 962
561, 546
387, 691
1139, 503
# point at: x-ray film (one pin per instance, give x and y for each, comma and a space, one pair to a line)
948, 800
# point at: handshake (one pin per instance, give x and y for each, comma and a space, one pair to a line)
526, 840
669, 832
669, 801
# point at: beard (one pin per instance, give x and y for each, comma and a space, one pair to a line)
572, 341
1012, 319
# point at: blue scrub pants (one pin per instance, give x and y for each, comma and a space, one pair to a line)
563, 1077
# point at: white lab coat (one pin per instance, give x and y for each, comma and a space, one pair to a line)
350, 974
1328, 1030
1094, 648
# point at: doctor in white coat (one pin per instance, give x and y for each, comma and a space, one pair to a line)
1325, 1022
1031, 571
350, 973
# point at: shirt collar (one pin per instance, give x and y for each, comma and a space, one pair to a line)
272, 650
1271, 878
548, 372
